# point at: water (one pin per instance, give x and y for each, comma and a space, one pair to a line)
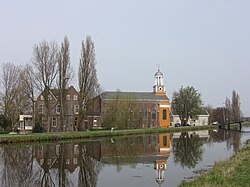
141, 161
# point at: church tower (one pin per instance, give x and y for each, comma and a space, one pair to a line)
159, 87
159, 90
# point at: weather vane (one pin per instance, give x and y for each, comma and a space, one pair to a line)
158, 65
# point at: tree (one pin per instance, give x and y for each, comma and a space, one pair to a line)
123, 112
45, 61
11, 97
64, 75
235, 106
228, 111
28, 84
87, 78
186, 103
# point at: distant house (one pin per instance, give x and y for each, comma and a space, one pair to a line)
154, 106
71, 109
202, 119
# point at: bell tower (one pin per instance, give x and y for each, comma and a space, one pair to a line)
159, 87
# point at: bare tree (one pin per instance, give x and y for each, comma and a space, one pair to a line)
45, 60
10, 94
236, 106
87, 78
29, 86
64, 75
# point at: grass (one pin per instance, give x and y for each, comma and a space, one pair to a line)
60, 136
232, 172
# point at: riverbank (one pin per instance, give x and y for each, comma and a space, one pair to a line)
232, 172
60, 136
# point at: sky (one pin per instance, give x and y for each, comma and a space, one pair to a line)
199, 43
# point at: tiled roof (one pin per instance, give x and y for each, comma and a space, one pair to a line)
142, 96
202, 112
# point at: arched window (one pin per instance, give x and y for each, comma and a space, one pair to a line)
164, 114
145, 114
153, 114
165, 141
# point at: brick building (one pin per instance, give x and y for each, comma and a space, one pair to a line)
154, 106
71, 109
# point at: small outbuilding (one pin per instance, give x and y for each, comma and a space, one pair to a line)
25, 124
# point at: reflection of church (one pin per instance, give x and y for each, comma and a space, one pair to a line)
161, 163
85, 156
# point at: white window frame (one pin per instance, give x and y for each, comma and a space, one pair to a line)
54, 122
76, 149
75, 97
40, 108
76, 109
42, 98
57, 150
68, 97
58, 109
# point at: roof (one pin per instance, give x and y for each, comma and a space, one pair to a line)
203, 112
142, 96
158, 73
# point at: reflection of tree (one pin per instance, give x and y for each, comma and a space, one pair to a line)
43, 176
53, 170
232, 138
187, 150
17, 166
89, 168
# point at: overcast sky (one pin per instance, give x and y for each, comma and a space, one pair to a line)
200, 43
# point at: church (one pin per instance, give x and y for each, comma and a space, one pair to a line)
152, 109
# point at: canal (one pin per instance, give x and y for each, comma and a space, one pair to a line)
135, 161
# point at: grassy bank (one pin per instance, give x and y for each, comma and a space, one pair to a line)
232, 172
45, 137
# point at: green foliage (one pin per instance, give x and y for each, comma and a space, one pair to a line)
192, 146
122, 113
186, 103
3, 122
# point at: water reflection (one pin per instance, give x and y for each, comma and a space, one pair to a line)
187, 148
81, 163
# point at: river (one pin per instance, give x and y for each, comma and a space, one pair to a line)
134, 161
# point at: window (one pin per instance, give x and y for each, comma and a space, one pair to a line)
54, 122
40, 109
75, 97
76, 149
76, 122
49, 97
145, 114
154, 114
95, 123
42, 98
57, 150
76, 109
68, 97
58, 109
165, 141
164, 114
